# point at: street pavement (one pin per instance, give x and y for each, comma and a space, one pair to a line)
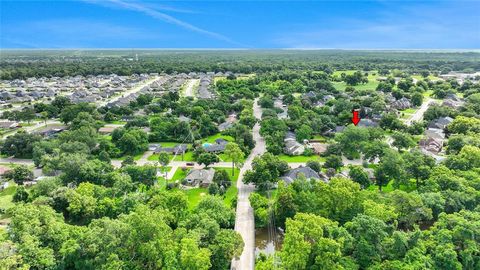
244, 220
418, 115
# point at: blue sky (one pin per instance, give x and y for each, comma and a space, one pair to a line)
240, 24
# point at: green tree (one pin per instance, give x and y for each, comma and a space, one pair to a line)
235, 154
359, 175
418, 165
352, 139
305, 132
20, 145
266, 170
334, 162
21, 195
20, 174
391, 167
164, 159
417, 99
44, 117
402, 140
207, 159
314, 165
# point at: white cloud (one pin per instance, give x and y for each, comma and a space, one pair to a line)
149, 11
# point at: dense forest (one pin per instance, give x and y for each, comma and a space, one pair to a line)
16, 64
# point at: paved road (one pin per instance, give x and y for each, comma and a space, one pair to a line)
418, 115
244, 221
190, 87
33, 127
133, 90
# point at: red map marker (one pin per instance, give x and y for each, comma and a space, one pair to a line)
355, 117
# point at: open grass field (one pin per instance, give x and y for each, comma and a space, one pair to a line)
371, 85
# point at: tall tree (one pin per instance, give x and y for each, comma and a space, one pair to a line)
164, 159
235, 154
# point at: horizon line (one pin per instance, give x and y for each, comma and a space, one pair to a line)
249, 49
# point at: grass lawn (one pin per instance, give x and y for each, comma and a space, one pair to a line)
187, 157
166, 144
428, 93
136, 157
161, 182
389, 188
117, 122
179, 174
6, 197
371, 85
211, 139
195, 194
300, 158
347, 72
430, 77
319, 137
409, 110
232, 191
405, 116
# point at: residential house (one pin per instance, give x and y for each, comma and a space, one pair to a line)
9, 124
318, 148
107, 129
440, 123
217, 147
431, 145
292, 147
309, 95
364, 122
453, 101
401, 104
200, 177
307, 172
175, 150
435, 133
50, 131
225, 125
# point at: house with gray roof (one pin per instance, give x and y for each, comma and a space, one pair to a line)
440, 123
431, 145
176, 150
225, 125
364, 122
217, 147
292, 147
401, 104
200, 177
307, 172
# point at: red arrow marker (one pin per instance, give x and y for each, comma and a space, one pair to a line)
355, 117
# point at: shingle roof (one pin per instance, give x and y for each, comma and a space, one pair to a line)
293, 174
